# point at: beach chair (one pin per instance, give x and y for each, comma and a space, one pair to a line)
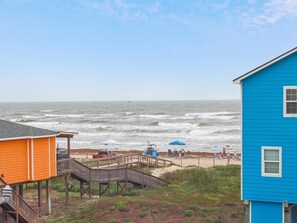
169, 153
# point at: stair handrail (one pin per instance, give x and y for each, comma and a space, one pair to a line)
87, 176
152, 176
26, 211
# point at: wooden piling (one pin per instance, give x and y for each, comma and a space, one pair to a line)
39, 187
48, 197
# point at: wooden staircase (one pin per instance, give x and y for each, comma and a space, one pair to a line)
105, 176
18, 208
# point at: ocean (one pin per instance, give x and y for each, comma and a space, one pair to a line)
200, 124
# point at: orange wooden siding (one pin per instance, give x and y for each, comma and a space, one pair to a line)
13, 160
41, 159
53, 157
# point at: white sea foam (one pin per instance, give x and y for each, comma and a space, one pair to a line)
213, 115
154, 116
178, 125
66, 116
212, 130
48, 110
32, 116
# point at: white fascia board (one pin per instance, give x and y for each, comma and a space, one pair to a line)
28, 137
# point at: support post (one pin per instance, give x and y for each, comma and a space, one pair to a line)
68, 146
66, 185
81, 188
17, 204
21, 190
39, 192
48, 197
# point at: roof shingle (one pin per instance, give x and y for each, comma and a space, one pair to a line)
15, 130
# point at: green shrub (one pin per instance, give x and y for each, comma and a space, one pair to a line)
112, 208
105, 212
203, 212
142, 214
218, 179
163, 209
189, 213
234, 214
112, 221
121, 206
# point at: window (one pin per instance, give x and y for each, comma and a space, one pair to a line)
271, 161
290, 101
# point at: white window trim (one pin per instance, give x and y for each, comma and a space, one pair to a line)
280, 161
285, 101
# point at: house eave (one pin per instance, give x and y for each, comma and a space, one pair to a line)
28, 137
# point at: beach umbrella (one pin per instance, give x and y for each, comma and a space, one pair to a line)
216, 148
228, 148
177, 143
111, 142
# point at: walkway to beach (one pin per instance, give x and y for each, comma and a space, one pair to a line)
199, 161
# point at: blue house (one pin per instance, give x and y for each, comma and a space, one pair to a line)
269, 140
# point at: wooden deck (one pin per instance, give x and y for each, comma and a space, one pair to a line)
18, 208
127, 160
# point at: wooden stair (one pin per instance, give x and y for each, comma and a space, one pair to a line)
105, 176
18, 208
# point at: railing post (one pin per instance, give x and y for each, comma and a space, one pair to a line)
108, 180
66, 185
126, 179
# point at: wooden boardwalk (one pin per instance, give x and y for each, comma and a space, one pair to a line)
17, 207
127, 160
104, 176
104, 171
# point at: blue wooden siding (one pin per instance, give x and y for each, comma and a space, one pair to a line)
266, 212
264, 125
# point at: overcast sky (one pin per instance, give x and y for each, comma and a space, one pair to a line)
100, 50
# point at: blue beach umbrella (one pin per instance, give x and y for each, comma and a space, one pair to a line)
177, 143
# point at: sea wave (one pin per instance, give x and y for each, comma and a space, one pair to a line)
47, 110
65, 116
213, 115
178, 125
154, 116
214, 130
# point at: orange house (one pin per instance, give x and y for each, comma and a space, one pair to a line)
26, 153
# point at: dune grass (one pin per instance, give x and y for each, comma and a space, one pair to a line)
194, 195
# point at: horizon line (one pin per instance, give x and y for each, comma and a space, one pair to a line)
167, 100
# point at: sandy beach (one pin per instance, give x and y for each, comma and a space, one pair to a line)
197, 159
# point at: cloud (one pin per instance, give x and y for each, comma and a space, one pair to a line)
272, 12
225, 4
123, 10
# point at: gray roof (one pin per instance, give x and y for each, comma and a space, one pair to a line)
14, 130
